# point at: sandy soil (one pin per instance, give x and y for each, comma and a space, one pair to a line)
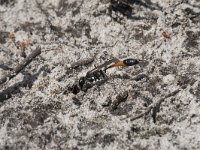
163, 35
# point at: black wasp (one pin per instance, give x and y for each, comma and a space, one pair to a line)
98, 75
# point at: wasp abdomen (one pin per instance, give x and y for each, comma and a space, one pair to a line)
130, 62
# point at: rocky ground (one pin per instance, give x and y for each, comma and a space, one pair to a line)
36, 112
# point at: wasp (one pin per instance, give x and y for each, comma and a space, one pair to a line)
98, 75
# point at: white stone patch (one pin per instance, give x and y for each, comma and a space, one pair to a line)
169, 79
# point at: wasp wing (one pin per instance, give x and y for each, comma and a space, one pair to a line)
104, 66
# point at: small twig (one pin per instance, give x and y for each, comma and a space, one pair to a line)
121, 97
75, 65
4, 67
154, 106
39, 5
82, 62
142, 114
21, 66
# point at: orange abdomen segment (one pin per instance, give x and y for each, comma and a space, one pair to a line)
119, 63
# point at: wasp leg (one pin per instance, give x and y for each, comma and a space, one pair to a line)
74, 89
87, 86
82, 82
105, 77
